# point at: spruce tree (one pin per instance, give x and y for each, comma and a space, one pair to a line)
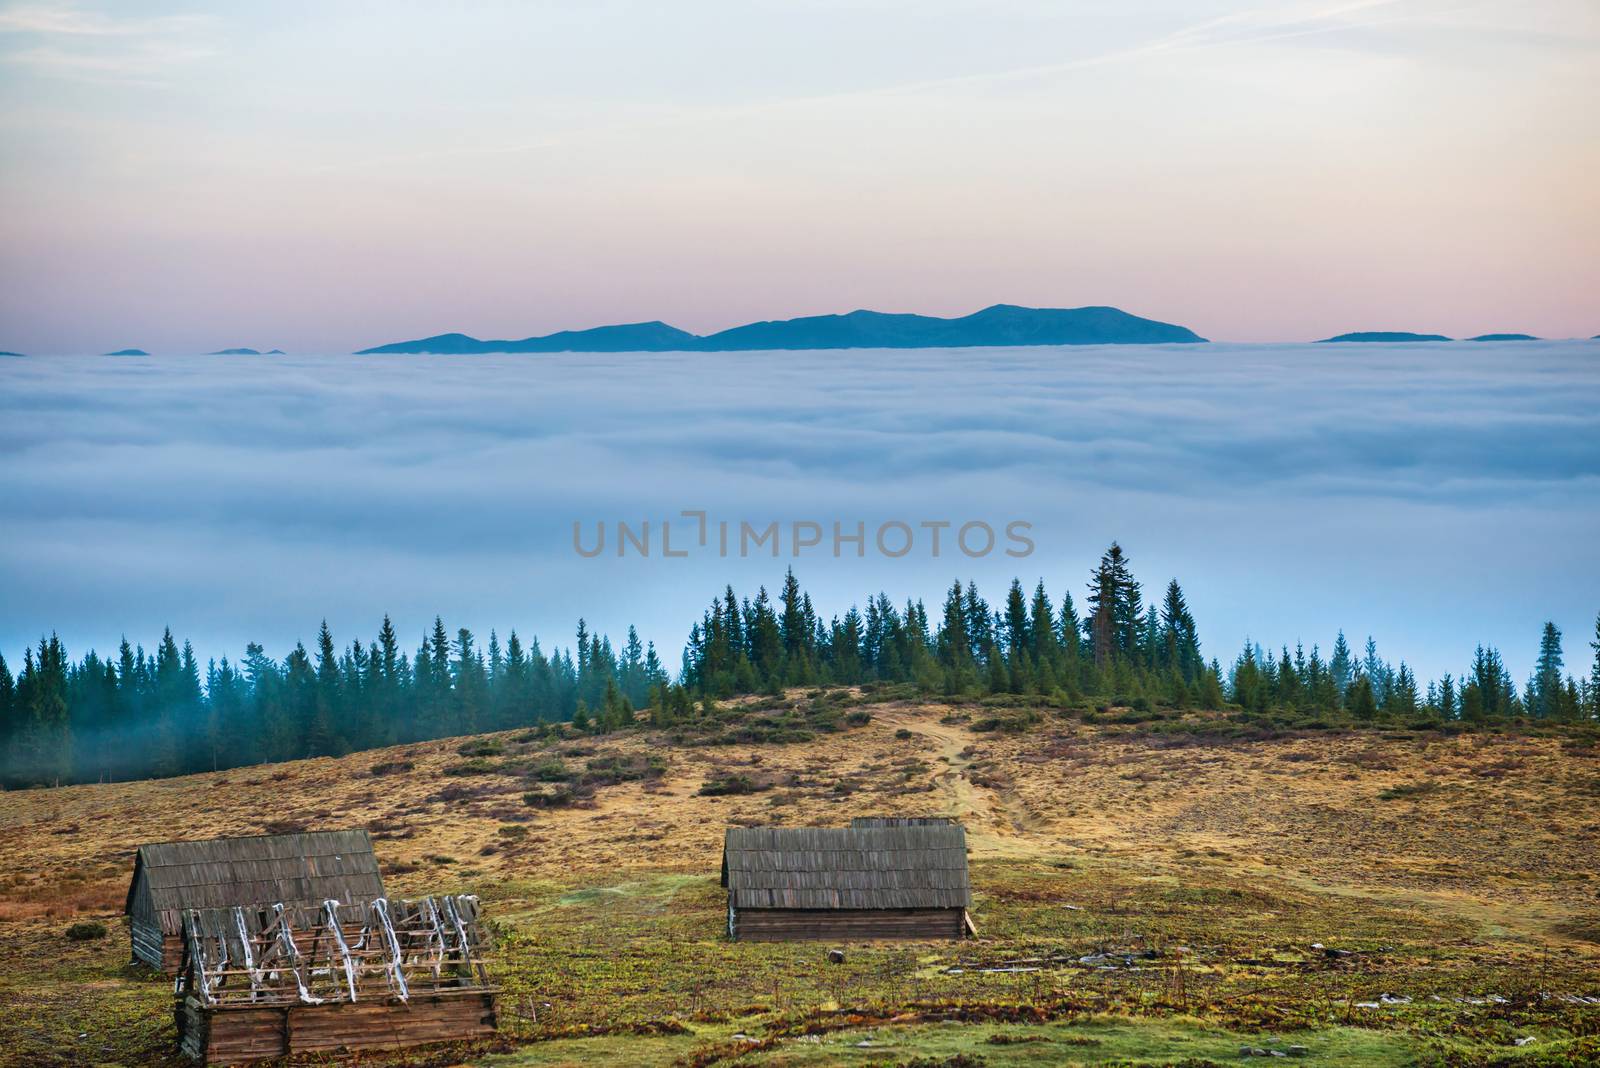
1545, 689
325, 721
471, 684
1117, 616
1361, 701
1180, 637
796, 626
1015, 631
43, 749
1594, 672
955, 652
8, 719
1447, 697
1341, 666
1103, 610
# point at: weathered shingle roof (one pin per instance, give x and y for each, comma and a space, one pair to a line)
302, 869
861, 867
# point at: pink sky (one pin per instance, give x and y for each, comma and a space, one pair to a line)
322, 179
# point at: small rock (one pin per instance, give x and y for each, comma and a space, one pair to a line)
1298, 1051
835, 956
1527, 1040
1337, 954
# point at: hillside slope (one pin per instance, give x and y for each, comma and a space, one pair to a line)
1207, 864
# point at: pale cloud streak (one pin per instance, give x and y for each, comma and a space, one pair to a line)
64, 40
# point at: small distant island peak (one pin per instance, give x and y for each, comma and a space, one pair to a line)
1384, 336
128, 352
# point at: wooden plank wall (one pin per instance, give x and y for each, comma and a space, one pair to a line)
152, 948
240, 1035
846, 925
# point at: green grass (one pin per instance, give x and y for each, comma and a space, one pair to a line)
617, 964
638, 973
1093, 1041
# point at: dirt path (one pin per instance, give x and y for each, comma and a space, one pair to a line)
996, 822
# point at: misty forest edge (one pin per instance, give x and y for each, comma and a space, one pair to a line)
154, 715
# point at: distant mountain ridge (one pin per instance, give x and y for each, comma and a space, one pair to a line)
1000, 325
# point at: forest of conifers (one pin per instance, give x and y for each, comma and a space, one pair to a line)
140, 714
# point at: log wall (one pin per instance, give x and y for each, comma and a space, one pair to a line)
847, 925
237, 1035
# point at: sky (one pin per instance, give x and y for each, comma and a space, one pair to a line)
319, 177
1433, 496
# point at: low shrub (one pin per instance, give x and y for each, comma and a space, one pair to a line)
1014, 724
550, 770
553, 797
475, 766
1410, 789
728, 785
610, 770
86, 931
393, 767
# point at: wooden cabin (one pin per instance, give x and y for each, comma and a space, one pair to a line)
888, 878
300, 871
257, 983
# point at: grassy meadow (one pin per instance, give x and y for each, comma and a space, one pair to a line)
1190, 890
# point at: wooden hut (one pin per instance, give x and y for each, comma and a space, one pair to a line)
256, 983
300, 871
875, 879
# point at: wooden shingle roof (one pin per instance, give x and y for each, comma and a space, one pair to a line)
920, 865
299, 870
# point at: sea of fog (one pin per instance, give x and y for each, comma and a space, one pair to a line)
1434, 496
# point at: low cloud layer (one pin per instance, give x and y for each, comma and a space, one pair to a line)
1434, 496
